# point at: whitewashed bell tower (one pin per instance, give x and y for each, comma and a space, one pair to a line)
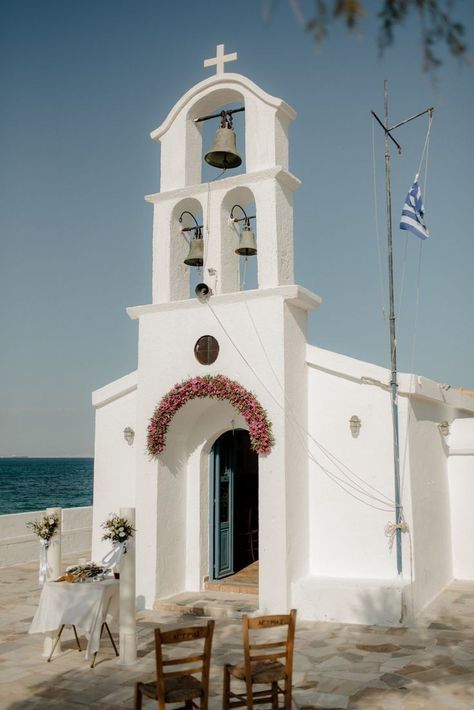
265, 183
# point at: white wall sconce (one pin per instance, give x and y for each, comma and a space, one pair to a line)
129, 435
355, 425
444, 428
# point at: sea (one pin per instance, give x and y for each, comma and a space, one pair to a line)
38, 483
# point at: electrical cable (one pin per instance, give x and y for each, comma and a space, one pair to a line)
343, 484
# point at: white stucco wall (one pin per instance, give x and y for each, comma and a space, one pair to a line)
431, 519
114, 458
353, 575
461, 483
347, 536
259, 336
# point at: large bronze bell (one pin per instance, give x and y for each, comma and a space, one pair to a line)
223, 153
195, 256
247, 245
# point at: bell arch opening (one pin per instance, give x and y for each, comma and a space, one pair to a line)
238, 238
233, 507
205, 132
187, 244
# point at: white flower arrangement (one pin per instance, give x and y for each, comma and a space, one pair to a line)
117, 530
45, 527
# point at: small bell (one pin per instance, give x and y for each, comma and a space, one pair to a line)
223, 153
247, 245
195, 256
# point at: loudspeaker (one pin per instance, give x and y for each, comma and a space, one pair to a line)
203, 292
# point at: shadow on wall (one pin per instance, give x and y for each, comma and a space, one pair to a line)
383, 607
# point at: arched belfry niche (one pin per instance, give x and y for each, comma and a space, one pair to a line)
266, 128
266, 120
235, 266
184, 278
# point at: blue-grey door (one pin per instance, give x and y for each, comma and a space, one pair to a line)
223, 508
234, 504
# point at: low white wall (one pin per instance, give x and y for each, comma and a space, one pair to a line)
461, 485
19, 545
352, 601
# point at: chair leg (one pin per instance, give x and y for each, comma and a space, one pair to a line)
274, 696
137, 705
249, 688
288, 692
226, 689
203, 703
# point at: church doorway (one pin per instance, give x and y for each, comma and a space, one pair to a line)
234, 509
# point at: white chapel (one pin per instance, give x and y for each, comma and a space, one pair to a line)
243, 441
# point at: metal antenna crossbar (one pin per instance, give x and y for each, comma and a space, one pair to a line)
402, 123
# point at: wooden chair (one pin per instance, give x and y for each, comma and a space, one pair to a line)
180, 684
265, 662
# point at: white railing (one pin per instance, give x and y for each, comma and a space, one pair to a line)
19, 545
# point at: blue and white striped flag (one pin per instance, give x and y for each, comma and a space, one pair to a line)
413, 212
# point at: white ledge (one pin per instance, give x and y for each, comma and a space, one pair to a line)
369, 374
460, 452
293, 294
114, 390
286, 178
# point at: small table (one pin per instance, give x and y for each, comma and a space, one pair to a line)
87, 606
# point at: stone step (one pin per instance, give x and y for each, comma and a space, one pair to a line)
232, 587
214, 604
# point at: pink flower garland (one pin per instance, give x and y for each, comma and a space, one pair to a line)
217, 387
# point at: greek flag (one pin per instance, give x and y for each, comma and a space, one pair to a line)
413, 212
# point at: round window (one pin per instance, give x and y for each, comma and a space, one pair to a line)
206, 350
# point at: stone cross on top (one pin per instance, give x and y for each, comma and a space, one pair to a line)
219, 60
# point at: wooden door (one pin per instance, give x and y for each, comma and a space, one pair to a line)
223, 506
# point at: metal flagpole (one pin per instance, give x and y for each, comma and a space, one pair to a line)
393, 338
393, 341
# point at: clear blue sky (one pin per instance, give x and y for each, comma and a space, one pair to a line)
82, 83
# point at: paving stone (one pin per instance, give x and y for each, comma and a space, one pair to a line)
394, 681
343, 666
378, 648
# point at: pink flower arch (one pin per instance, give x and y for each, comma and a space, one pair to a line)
216, 387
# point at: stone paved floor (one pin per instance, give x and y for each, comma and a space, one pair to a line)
336, 665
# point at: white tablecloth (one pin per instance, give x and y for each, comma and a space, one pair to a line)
84, 604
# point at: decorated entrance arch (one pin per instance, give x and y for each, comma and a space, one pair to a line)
215, 387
